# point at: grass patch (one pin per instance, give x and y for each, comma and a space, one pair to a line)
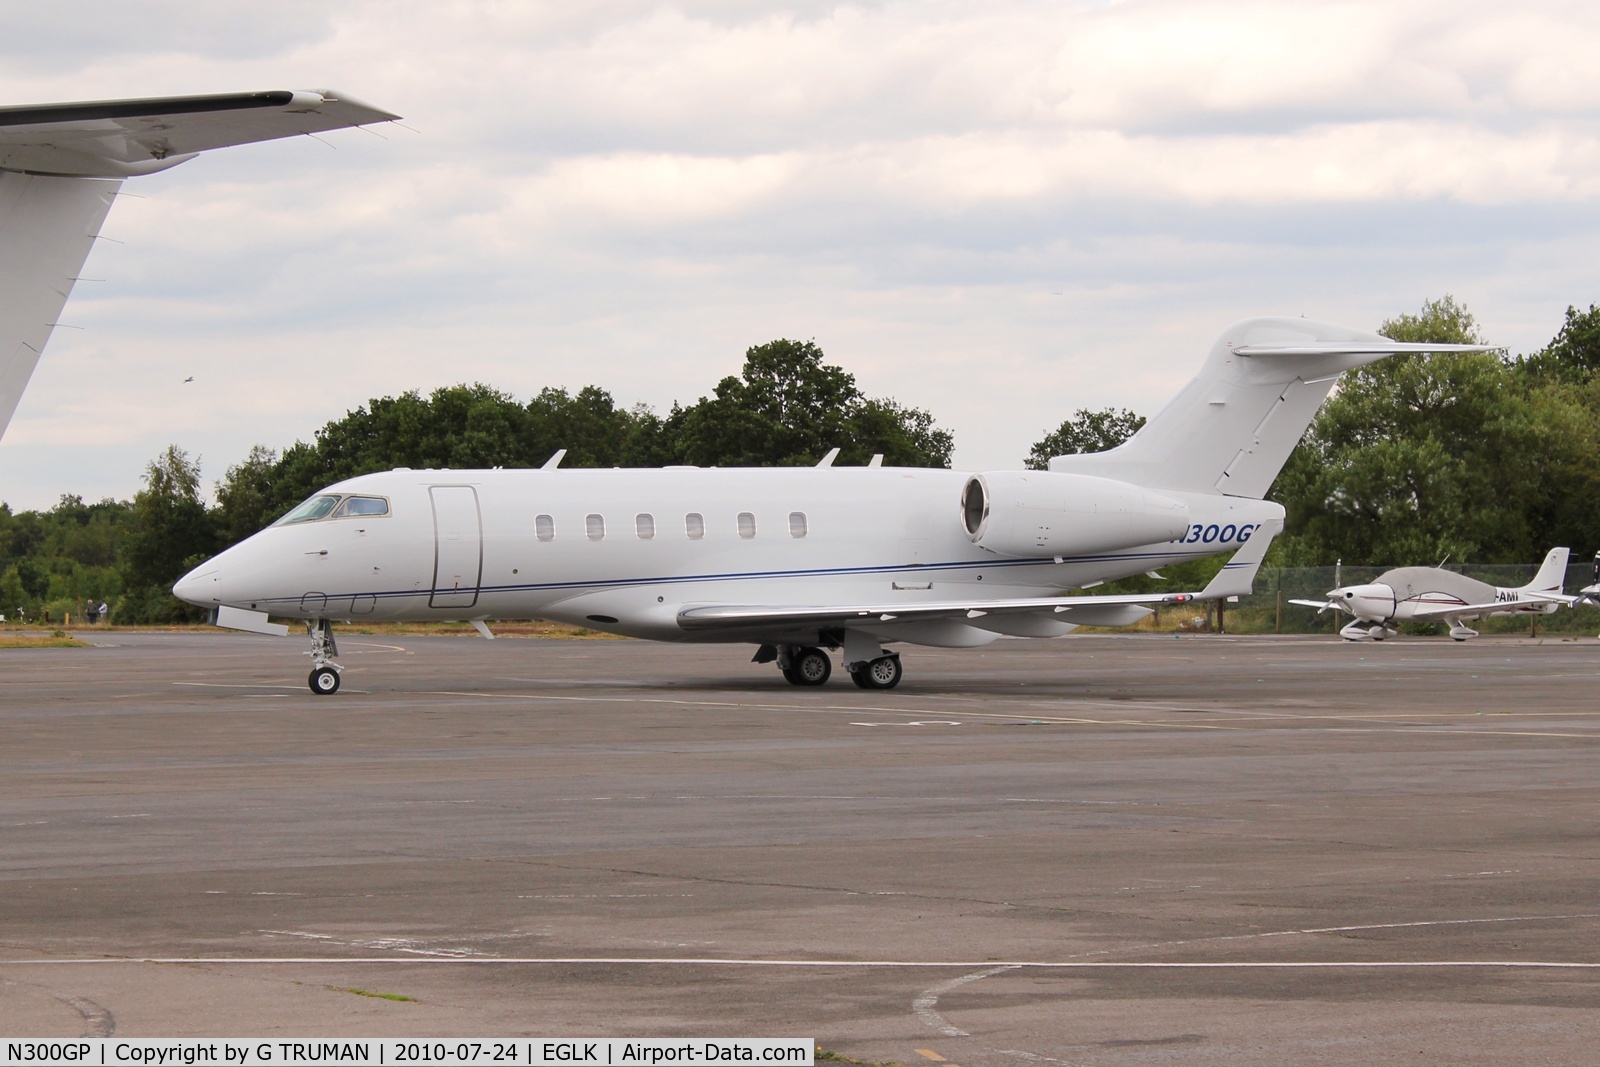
55, 640
370, 993
833, 1057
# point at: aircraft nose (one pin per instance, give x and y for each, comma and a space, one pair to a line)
198, 586
1374, 600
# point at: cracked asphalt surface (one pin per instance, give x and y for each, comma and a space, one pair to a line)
1105, 850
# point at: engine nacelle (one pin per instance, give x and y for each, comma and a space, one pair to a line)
1049, 513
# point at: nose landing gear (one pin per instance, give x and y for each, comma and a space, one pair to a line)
324, 678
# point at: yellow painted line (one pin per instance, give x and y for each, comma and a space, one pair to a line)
932, 1055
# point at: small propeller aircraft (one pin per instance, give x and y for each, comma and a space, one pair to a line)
1433, 594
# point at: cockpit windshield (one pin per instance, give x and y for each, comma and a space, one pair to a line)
362, 505
323, 505
318, 507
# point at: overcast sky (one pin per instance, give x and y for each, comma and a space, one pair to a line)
998, 211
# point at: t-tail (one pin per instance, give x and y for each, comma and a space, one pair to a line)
62, 164
1232, 428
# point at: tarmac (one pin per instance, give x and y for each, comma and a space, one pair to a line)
1102, 850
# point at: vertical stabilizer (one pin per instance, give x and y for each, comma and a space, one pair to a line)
1232, 428
1552, 574
47, 226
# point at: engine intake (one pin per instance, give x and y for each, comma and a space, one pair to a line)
1049, 513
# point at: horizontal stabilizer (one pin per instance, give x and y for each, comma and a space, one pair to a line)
1383, 347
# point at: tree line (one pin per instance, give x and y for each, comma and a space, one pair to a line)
1479, 457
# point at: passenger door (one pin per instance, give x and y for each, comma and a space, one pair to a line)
458, 546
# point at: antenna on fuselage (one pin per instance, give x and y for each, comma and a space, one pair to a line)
827, 461
554, 461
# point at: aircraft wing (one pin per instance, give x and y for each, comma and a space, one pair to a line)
1082, 610
123, 138
1454, 611
1234, 579
1320, 605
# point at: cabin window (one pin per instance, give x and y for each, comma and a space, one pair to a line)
797, 524
318, 507
544, 527
747, 525
364, 506
644, 524
595, 527
694, 524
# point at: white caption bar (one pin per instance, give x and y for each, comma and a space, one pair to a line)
452, 1052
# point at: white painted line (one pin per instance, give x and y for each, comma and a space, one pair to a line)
708, 961
927, 1002
235, 685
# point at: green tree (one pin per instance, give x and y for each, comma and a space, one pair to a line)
589, 425
790, 408
1441, 321
246, 501
169, 532
1420, 456
1573, 355
1086, 431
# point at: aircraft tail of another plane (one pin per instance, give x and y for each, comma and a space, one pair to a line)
1552, 574
60, 168
1231, 429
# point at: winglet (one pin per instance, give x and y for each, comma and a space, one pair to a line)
1237, 576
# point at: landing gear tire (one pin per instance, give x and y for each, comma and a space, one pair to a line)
882, 673
809, 666
324, 681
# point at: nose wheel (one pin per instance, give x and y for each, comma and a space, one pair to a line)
324, 677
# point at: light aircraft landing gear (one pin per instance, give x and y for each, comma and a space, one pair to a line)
324, 679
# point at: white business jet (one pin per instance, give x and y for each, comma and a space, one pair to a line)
1433, 594
797, 561
61, 166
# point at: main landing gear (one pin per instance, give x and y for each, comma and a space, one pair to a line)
881, 673
806, 666
324, 679
869, 667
